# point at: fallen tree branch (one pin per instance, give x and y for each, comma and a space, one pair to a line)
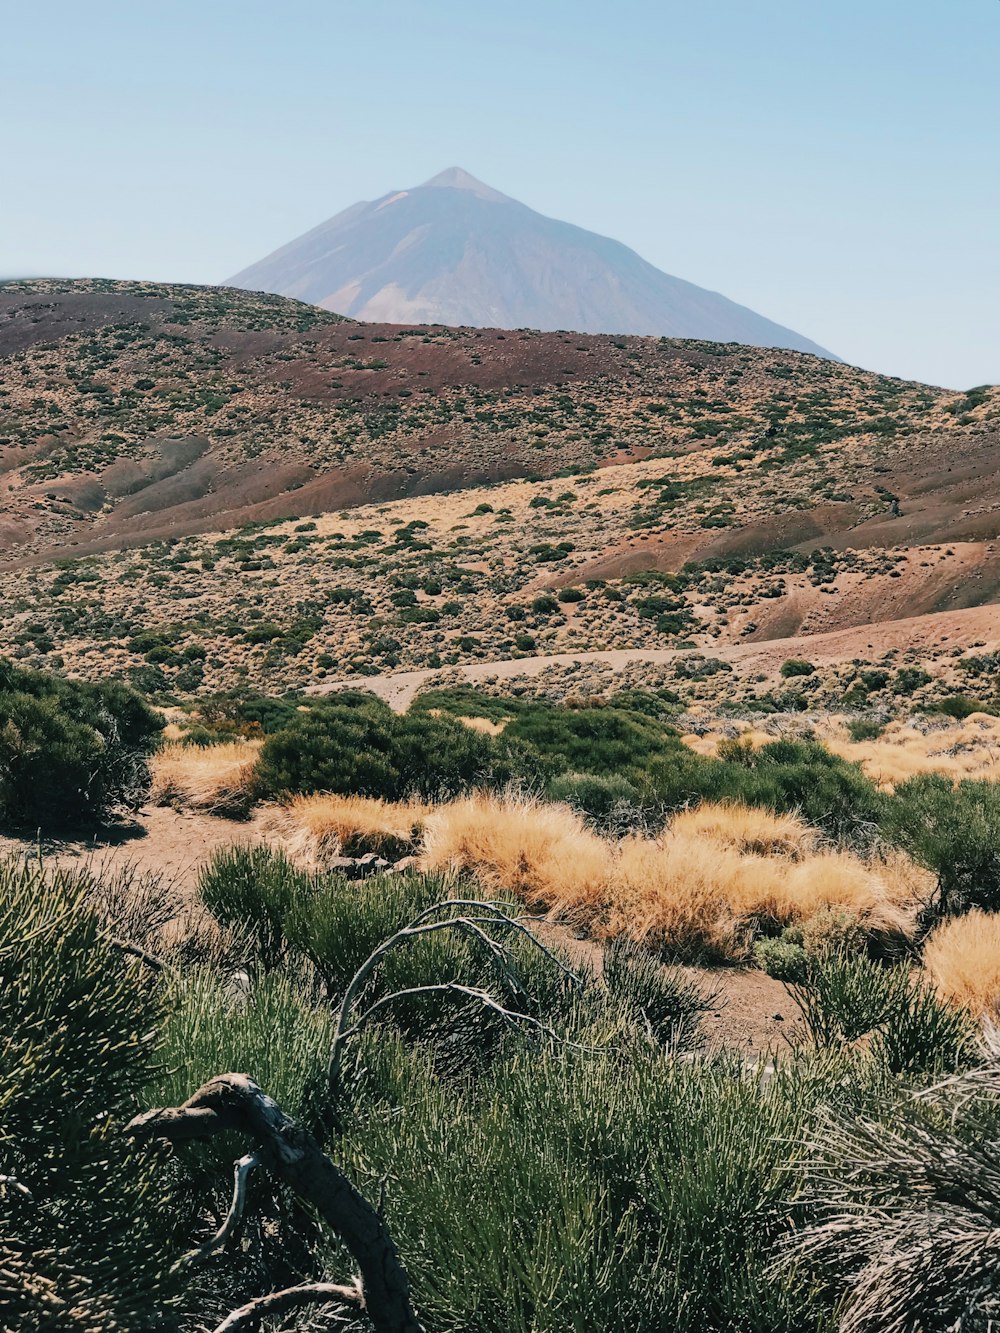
277, 1302
241, 1171
290, 1153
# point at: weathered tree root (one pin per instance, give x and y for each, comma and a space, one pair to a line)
292, 1155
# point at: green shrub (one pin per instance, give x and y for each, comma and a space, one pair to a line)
89, 1247
608, 741
611, 803
797, 666
955, 832
571, 1191
843, 996
255, 890
71, 754
959, 706
924, 1034
864, 729
368, 750
798, 776
658, 1000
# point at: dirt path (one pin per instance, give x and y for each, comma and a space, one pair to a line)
164, 842
931, 633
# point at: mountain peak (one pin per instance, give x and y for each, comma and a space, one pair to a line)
456, 178
456, 251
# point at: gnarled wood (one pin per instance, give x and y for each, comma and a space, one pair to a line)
234, 1101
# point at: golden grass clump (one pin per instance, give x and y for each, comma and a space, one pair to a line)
969, 748
313, 830
962, 959
702, 896
543, 853
704, 887
673, 892
966, 749
211, 779
747, 828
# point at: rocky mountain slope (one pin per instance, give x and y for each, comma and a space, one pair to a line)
456, 251
130, 411
419, 498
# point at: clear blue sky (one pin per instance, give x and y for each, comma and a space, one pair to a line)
834, 164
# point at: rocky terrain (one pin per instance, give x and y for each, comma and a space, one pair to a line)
203, 489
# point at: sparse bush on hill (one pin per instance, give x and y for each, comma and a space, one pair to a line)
797, 666
72, 754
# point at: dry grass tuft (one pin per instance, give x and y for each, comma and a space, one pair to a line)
314, 830
703, 888
747, 829
906, 749
543, 853
215, 779
482, 724
962, 959
966, 749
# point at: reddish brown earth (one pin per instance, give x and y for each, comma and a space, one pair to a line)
134, 411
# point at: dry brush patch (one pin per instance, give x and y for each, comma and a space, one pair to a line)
962, 959
313, 830
966, 749
703, 888
213, 779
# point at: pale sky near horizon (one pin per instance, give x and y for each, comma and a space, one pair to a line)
833, 165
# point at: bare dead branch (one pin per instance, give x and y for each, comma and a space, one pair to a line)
12, 1183
134, 951
278, 1302
511, 1016
292, 1155
425, 924
241, 1172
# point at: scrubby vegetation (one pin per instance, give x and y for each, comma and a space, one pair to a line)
555, 1146
558, 1143
72, 754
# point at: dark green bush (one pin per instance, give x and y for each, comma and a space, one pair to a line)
255, 889
797, 666
959, 706
955, 832
368, 750
88, 1248
797, 776
608, 741
613, 804
658, 1000
72, 754
844, 996
864, 729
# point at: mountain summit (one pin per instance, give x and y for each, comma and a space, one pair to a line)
456, 251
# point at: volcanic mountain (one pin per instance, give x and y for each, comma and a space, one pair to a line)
456, 251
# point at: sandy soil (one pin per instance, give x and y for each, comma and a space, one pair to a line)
164, 842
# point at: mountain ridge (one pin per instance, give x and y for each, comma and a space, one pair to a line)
132, 412
456, 251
